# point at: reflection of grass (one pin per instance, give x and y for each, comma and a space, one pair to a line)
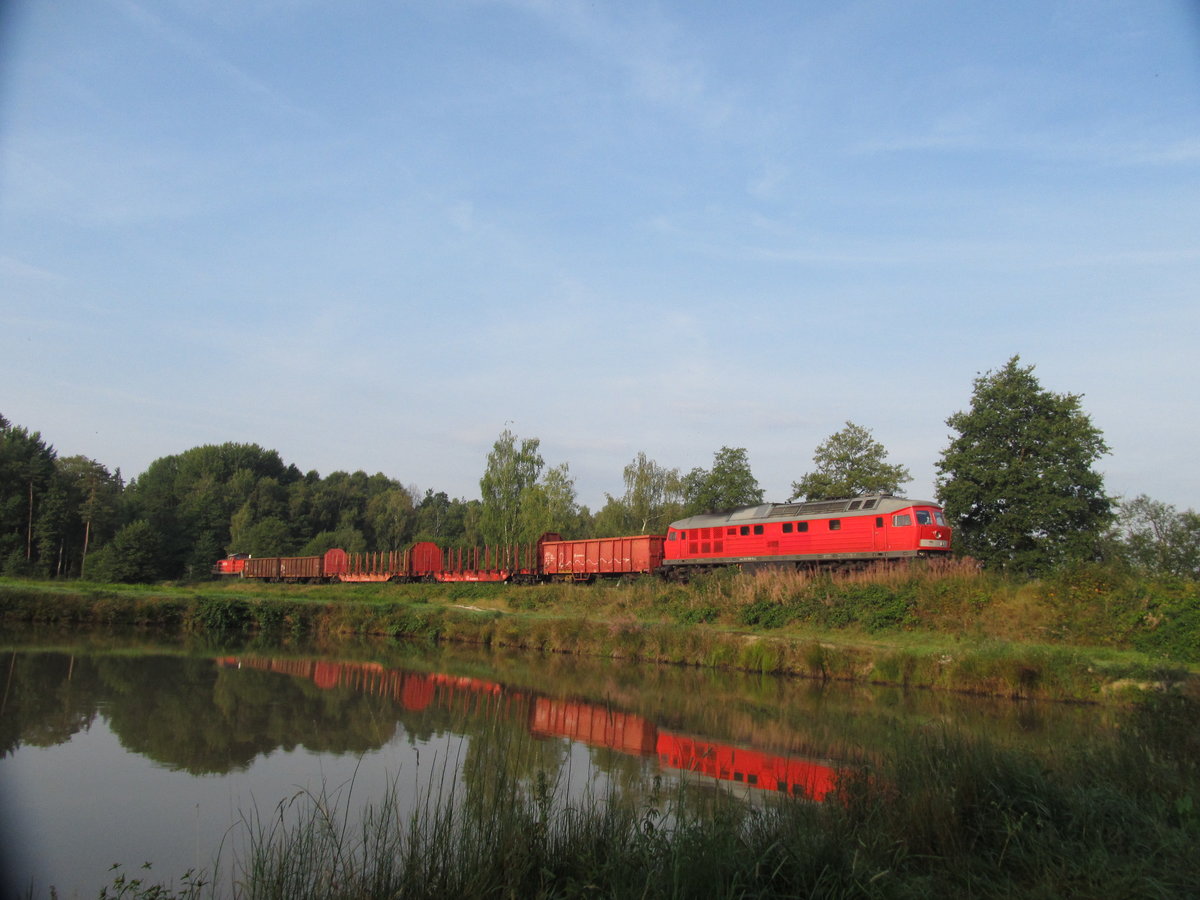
945, 624
937, 814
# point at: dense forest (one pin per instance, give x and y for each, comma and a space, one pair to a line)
1018, 482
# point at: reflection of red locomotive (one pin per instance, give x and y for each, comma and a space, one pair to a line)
629, 733
592, 724
851, 531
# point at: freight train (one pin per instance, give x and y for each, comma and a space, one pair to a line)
849, 532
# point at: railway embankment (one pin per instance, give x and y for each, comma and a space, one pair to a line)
1088, 634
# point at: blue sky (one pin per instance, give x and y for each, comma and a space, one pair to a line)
371, 234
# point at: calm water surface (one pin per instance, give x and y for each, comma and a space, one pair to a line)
116, 750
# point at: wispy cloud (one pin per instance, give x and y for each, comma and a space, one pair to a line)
178, 38
660, 66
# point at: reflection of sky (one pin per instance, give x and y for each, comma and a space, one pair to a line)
74, 809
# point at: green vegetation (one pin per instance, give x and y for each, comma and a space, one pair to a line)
1018, 482
932, 814
850, 462
729, 483
1079, 634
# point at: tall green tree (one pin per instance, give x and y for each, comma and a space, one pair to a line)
653, 496
549, 505
81, 512
1018, 481
189, 499
391, 518
26, 475
511, 468
1156, 537
850, 462
728, 484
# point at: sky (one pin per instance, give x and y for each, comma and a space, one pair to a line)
373, 235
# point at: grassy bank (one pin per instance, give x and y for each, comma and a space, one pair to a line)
1085, 634
933, 815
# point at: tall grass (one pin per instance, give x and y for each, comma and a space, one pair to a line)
935, 814
938, 623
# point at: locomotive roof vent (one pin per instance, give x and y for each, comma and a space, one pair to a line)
750, 512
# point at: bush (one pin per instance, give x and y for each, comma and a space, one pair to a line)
132, 557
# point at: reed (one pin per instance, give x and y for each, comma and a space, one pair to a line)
943, 623
935, 813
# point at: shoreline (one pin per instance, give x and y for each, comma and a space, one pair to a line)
547, 620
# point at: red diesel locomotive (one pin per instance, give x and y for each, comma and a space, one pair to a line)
817, 532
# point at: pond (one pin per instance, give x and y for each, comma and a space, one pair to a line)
115, 749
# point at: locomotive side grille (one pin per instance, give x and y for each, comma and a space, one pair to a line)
826, 506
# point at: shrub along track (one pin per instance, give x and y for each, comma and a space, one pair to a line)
952, 630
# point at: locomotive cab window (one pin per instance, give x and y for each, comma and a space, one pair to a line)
938, 517
901, 521
923, 517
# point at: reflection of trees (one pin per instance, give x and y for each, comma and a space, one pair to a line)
503, 759
204, 717
46, 699
192, 715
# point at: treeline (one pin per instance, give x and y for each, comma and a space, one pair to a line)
1018, 482
67, 517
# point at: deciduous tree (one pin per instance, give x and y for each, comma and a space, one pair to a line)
549, 505
653, 496
511, 468
850, 462
133, 556
1018, 480
729, 483
1155, 537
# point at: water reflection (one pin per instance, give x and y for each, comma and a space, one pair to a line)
129, 752
594, 724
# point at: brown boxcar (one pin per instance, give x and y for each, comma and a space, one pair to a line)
265, 567
302, 568
581, 560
